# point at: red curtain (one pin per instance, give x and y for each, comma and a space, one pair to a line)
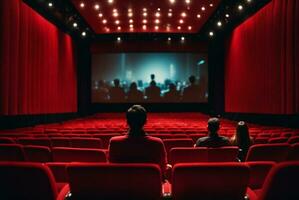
262, 62
37, 68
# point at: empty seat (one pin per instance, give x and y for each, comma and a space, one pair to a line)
188, 155
278, 140
293, 140
7, 140
32, 181
223, 154
171, 143
58, 170
210, 181
64, 154
261, 140
282, 182
94, 143
35, 141
293, 152
11, 152
268, 152
105, 138
115, 181
37, 153
60, 142
258, 173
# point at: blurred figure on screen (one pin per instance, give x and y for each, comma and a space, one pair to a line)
116, 92
192, 92
134, 95
172, 95
101, 93
153, 92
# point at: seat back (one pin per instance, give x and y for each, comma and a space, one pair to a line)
115, 181
7, 140
258, 173
282, 182
209, 181
223, 154
188, 155
171, 143
105, 138
64, 154
293, 152
26, 181
293, 140
58, 170
268, 152
277, 140
35, 141
11, 152
37, 153
60, 142
92, 143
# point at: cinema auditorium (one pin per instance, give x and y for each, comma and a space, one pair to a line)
149, 100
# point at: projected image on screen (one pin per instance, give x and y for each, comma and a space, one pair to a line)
149, 77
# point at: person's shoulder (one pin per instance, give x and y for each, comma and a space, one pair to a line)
118, 138
202, 139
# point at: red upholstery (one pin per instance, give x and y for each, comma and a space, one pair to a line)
188, 155
210, 181
64, 154
37, 154
94, 143
268, 152
278, 140
258, 173
35, 141
115, 181
58, 169
293, 140
294, 152
282, 182
105, 138
32, 181
60, 142
6, 140
261, 140
11, 152
171, 143
223, 154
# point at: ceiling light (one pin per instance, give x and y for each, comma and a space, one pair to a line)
100, 14
114, 10
211, 33
184, 14
144, 27
203, 8
240, 7
170, 10
130, 14
172, 1
97, 6
169, 39
158, 9
83, 33
144, 14
118, 39
82, 5
158, 14
179, 28
157, 21
115, 14
189, 28
119, 28
188, 1
104, 21
130, 10
144, 21
50, 4
249, 1
219, 23
169, 14
198, 16
107, 29
182, 38
181, 21
227, 15
131, 25
117, 22
131, 21
156, 27
131, 29
75, 25
144, 9
110, 1
211, 5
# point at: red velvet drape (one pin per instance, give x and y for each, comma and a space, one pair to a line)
37, 68
262, 62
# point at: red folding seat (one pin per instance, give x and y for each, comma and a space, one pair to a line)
293, 140
35, 141
7, 140
178, 136
258, 173
105, 138
277, 140
115, 181
223, 154
162, 135
64, 154
293, 152
210, 181
94, 143
32, 181
281, 183
268, 152
287, 134
171, 143
261, 140
60, 142
37, 154
188, 155
11, 152
58, 170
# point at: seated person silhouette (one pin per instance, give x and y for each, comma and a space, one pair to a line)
192, 92
101, 93
137, 146
134, 95
153, 92
213, 139
116, 93
172, 95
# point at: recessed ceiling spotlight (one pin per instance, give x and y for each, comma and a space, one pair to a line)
50, 4
82, 5
157, 21
219, 23
170, 10
179, 28
158, 9
131, 26
240, 7
110, 1
168, 27
100, 15
114, 10
211, 33
130, 14
211, 5
181, 21
131, 21
104, 21
249, 1
203, 8
227, 15
144, 27
117, 22
144, 9
132, 29
169, 14
169, 38
182, 38
157, 14
130, 10
75, 25
144, 14
107, 29
97, 6
144, 21
118, 39
198, 16
188, 1
115, 14
189, 28
83, 33
172, 1
119, 28
183, 14
156, 27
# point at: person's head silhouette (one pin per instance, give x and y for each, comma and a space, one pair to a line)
116, 82
213, 126
136, 119
133, 86
192, 80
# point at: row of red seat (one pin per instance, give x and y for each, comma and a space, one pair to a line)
257, 180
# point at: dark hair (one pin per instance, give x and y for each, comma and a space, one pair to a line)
136, 117
116, 82
192, 79
153, 83
133, 86
242, 135
213, 125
